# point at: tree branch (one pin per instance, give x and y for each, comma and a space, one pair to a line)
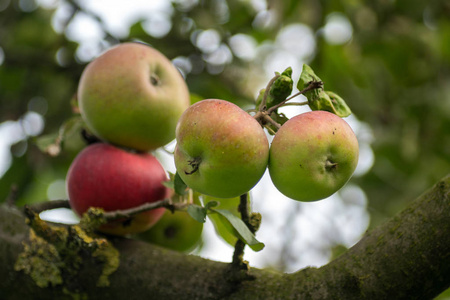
408, 257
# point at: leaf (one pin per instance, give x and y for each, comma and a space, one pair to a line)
45, 143
306, 78
224, 229
179, 186
197, 212
323, 102
53, 142
318, 99
211, 204
240, 229
169, 184
341, 108
280, 89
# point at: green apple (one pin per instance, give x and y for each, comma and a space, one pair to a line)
221, 150
177, 231
312, 156
132, 96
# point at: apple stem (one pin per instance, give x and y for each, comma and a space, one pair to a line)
271, 121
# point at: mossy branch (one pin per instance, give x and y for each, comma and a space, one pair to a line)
405, 258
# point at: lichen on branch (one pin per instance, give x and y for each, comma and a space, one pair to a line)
54, 255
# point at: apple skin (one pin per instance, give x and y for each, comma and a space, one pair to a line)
111, 178
221, 150
132, 96
177, 231
312, 156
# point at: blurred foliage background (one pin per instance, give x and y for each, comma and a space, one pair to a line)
390, 60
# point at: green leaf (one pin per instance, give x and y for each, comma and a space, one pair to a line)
281, 88
306, 78
169, 184
318, 99
240, 229
211, 204
179, 186
52, 143
341, 108
197, 212
43, 142
323, 102
223, 228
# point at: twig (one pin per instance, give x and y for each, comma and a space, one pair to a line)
312, 86
243, 209
48, 205
296, 103
262, 106
238, 255
125, 213
271, 121
111, 215
12, 196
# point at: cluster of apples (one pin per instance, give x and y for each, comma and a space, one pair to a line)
130, 97
134, 100
222, 151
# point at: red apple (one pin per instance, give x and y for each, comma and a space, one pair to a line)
108, 177
132, 96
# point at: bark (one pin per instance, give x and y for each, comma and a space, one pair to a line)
408, 257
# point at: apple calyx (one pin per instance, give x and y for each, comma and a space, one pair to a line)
154, 80
330, 166
194, 163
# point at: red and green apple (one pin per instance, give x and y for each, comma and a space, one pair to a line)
132, 96
221, 150
111, 178
312, 156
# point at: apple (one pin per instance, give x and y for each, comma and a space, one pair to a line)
312, 156
221, 150
177, 231
111, 178
132, 96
